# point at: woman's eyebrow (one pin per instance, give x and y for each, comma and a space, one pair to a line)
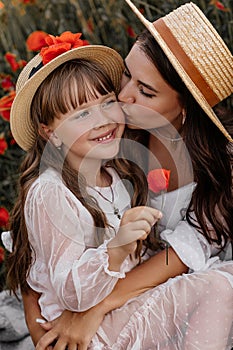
141, 82
147, 86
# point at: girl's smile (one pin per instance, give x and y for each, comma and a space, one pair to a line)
107, 136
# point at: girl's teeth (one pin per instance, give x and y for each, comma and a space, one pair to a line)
105, 137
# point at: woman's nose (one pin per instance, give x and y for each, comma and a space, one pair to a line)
126, 95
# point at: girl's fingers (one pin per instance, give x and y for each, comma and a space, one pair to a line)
149, 214
127, 237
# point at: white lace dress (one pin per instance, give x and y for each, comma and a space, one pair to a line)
192, 311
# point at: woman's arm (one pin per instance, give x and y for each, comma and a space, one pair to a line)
149, 274
32, 312
83, 326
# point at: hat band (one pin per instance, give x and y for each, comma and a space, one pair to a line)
35, 69
186, 63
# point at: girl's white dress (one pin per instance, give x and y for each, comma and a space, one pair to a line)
192, 311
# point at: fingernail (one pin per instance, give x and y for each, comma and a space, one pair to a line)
40, 320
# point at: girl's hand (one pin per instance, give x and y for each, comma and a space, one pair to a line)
71, 330
135, 225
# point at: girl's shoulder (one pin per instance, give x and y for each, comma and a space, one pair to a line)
49, 184
49, 192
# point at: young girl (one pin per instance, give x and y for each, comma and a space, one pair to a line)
74, 234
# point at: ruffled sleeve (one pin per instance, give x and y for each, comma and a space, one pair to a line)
65, 271
191, 247
7, 240
93, 268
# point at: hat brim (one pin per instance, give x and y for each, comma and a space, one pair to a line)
20, 119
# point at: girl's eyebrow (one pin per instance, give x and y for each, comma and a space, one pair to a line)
101, 99
87, 105
141, 82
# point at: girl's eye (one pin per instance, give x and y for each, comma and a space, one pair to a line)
108, 104
141, 90
127, 73
83, 114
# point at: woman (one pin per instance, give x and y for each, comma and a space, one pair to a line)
192, 311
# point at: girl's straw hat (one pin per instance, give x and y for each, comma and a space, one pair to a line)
36, 71
198, 53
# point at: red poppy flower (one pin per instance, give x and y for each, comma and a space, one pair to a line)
5, 105
3, 145
11, 59
60, 44
6, 82
2, 255
4, 217
158, 180
36, 40
15, 65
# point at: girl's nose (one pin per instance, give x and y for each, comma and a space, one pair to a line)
102, 118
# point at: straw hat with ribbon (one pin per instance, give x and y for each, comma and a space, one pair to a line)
60, 49
197, 52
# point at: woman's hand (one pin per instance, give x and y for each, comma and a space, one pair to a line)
72, 329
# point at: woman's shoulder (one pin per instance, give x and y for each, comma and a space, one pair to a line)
186, 189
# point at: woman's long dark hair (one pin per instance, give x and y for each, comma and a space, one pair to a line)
210, 152
81, 80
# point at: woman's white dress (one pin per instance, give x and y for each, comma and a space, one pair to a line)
192, 311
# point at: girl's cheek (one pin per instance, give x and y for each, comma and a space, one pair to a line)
70, 134
118, 114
